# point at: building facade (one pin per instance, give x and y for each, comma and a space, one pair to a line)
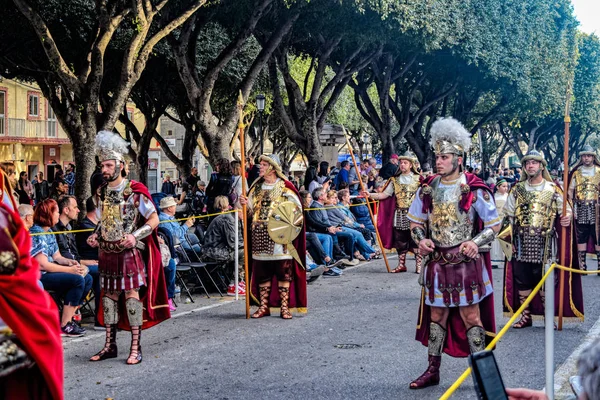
30, 135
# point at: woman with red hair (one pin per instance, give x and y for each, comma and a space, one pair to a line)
60, 274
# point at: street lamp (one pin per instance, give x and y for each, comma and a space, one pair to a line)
260, 104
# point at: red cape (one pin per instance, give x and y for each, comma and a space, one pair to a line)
154, 294
29, 311
298, 298
456, 344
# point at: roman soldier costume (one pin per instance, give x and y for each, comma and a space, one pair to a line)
451, 214
533, 212
392, 221
124, 210
31, 354
584, 188
277, 240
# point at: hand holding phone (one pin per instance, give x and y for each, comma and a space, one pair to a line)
486, 376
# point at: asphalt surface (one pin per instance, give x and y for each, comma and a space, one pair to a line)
356, 342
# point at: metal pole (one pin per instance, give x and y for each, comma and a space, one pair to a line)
236, 253
260, 129
564, 245
549, 330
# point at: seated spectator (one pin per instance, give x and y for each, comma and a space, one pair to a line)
343, 176
360, 212
90, 221
67, 244
367, 229
318, 221
338, 217
320, 246
219, 244
317, 253
60, 274
168, 205
199, 202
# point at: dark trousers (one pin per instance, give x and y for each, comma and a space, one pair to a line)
72, 287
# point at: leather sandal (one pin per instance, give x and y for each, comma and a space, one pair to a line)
263, 309
110, 346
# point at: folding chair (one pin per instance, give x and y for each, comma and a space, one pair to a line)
186, 263
193, 240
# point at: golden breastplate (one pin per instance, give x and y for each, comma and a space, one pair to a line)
449, 226
405, 193
535, 209
586, 187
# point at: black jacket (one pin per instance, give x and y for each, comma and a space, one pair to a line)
67, 245
317, 220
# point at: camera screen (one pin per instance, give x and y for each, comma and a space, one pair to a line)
490, 377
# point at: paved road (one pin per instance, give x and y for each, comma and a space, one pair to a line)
356, 342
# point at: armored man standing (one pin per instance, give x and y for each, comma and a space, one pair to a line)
392, 221
134, 295
457, 305
278, 239
534, 211
584, 187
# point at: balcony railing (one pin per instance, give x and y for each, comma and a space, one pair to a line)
40, 129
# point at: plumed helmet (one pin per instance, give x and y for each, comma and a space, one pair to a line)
110, 146
449, 136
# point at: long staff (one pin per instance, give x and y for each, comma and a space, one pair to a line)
363, 188
241, 126
563, 242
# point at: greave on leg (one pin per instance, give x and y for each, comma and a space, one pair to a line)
110, 309
135, 311
476, 339
437, 336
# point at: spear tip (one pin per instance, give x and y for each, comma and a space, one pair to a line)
240, 100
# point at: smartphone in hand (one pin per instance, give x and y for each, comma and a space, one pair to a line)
486, 376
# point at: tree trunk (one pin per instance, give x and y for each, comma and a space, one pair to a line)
85, 163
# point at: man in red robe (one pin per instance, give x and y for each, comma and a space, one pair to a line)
134, 294
28, 316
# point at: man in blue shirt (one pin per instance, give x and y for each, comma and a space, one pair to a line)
343, 175
168, 205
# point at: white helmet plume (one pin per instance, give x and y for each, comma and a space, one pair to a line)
449, 136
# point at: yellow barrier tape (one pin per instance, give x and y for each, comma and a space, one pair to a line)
161, 222
576, 271
503, 331
334, 207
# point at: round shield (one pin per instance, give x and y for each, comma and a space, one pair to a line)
285, 223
